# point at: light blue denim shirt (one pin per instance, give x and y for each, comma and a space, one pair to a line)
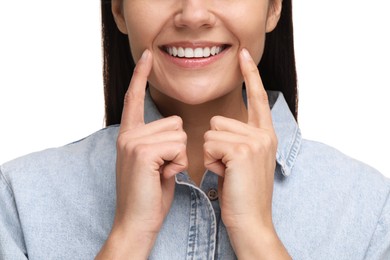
60, 203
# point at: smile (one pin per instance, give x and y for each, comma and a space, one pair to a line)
186, 52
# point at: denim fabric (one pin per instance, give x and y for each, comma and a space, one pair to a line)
60, 203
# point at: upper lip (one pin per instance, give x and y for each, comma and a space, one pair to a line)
193, 44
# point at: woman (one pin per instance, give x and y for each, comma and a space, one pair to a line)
199, 167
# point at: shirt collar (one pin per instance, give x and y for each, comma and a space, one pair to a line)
286, 128
287, 131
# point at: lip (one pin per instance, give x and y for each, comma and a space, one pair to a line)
194, 63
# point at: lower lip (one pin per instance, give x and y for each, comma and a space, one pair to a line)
195, 63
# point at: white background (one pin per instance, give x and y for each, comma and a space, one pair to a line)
51, 84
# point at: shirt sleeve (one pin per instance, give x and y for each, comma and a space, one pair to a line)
12, 244
379, 247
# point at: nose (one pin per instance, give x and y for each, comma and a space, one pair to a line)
194, 14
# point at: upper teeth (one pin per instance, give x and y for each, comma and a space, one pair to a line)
194, 53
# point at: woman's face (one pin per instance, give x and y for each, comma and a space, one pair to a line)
195, 43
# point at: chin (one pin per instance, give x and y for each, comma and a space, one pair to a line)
194, 101
199, 96
193, 97
196, 91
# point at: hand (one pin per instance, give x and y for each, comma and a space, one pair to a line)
244, 156
148, 157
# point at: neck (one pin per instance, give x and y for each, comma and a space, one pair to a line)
196, 121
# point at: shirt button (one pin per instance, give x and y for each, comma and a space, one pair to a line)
212, 194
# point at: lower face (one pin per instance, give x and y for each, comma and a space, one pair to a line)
195, 44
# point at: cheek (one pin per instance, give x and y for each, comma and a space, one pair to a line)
250, 30
139, 40
143, 24
253, 41
257, 50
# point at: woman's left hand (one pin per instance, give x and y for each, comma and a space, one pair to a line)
244, 156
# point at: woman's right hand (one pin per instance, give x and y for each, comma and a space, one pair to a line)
148, 157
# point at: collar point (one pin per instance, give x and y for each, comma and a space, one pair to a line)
281, 163
286, 171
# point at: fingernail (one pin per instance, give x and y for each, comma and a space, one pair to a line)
245, 54
145, 54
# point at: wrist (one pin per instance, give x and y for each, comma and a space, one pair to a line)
257, 241
127, 243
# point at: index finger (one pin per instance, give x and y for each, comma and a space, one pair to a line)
259, 113
133, 105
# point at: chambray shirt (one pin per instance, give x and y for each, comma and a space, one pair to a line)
60, 203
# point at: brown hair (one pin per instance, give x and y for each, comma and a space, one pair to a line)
277, 66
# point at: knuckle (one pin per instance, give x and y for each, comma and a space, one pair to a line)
208, 135
260, 96
182, 136
179, 149
263, 141
177, 121
182, 147
121, 142
242, 149
263, 96
214, 122
253, 69
128, 147
206, 147
268, 143
127, 98
140, 150
129, 95
137, 71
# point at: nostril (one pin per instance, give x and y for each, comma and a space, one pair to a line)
194, 18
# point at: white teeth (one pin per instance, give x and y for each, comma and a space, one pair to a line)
212, 51
180, 52
194, 53
206, 52
188, 53
198, 53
